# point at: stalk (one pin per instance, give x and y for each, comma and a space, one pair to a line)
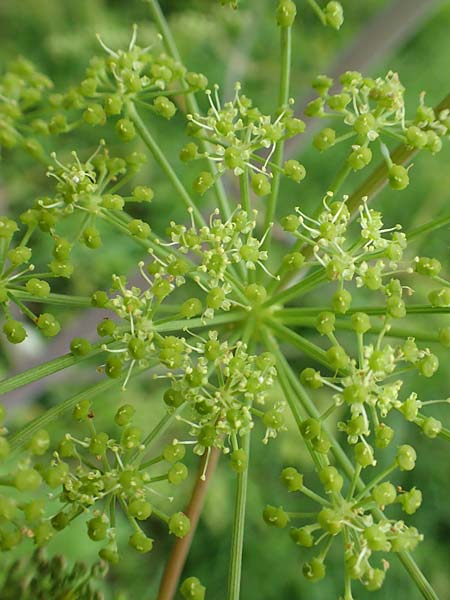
54, 299
308, 311
290, 317
237, 541
299, 289
283, 99
161, 159
18, 440
429, 227
299, 342
233, 316
191, 102
45, 369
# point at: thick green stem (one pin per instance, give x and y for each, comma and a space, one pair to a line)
54, 299
429, 227
245, 192
155, 432
423, 585
233, 316
319, 12
339, 179
237, 540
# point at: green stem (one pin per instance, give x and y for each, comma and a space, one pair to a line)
423, 585
191, 102
160, 514
245, 192
160, 158
149, 438
299, 342
45, 369
224, 318
340, 179
54, 299
368, 487
24, 309
289, 317
413, 309
347, 577
237, 541
429, 227
353, 482
315, 497
299, 289
289, 394
17, 440
283, 99
319, 12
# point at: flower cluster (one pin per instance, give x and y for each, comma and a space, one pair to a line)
88, 188
356, 516
23, 91
367, 387
90, 476
18, 281
375, 109
40, 577
218, 380
133, 75
83, 189
219, 246
237, 131
224, 390
207, 318
372, 257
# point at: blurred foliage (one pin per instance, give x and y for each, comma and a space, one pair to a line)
59, 36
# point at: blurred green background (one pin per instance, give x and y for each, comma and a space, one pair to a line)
59, 37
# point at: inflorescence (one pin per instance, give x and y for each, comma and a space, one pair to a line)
203, 316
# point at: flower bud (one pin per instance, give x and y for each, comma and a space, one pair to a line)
398, 177
275, 516
406, 457
286, 13
291, 479
334, 14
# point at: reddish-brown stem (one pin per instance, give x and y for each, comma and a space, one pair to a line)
180, 549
